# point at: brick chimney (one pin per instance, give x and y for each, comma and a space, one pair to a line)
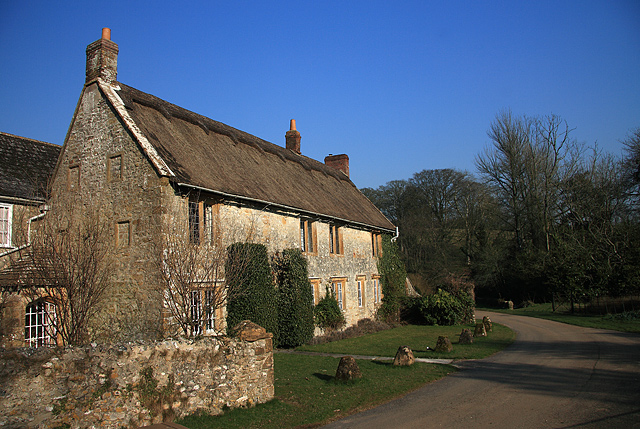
339, 162
292, 137
102, 59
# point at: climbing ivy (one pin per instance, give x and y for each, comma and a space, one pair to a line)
392, 278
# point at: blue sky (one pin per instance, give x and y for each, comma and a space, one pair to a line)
399, 86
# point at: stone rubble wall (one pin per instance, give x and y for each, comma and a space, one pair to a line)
133, 384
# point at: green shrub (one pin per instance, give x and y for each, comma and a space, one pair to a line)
252, 295
295, 299
393, 276
328, 313
444, 308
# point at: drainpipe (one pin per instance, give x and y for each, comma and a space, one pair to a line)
395, 237
44, 210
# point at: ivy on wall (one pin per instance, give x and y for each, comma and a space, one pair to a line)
393, 276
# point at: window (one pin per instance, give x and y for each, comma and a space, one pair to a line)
360, 282
202, 310
377, 294
308, 236
376, 244
196, 312
335, 240
73, 178
123, 234
339, 288
315, 290
211, 225
210, 309
6, 214
39, 324
196, 218
114, 168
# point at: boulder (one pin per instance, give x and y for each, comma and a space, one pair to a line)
404, 357
444, 345
348, 369
488, 326
466, 337
480, 330
249, 331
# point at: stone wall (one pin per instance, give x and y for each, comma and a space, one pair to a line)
133, 384
102, 166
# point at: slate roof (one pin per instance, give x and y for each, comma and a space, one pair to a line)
210, 155
25, 167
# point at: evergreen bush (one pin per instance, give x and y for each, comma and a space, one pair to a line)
248, 270
295, 299
444, 308
328, 314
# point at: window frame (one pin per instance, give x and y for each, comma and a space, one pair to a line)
110, 166
6, 236
377, 289
360, 284
315, 289
336, 245
339, 287
119, 243
44, 317
196, 219
376, 244
204, 319
73, 185
308, 230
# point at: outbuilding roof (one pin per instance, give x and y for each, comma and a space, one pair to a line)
26, 165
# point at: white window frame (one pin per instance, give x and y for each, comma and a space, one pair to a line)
210, 312
195, 309
359, 293
376, 290
39, 326
6, 224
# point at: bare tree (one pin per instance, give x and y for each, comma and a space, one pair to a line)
68, 265
190, 257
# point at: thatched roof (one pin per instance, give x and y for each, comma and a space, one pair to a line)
207, 154
25, 167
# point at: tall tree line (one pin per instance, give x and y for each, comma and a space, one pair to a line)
544, 216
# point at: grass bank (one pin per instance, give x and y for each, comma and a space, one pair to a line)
307, 394
625, 322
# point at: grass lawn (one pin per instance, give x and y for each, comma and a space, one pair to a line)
306, 393
544, 311
418, 338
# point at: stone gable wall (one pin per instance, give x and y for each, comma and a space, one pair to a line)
133, 384
96, 139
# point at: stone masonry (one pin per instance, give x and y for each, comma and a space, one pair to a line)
132, 384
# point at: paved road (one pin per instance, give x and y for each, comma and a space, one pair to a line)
553, 376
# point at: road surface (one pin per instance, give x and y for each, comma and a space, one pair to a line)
553, 376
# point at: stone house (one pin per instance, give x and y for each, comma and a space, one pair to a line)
149, 165
26, 166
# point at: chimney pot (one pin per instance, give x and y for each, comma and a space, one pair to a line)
106, 33
292, 137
